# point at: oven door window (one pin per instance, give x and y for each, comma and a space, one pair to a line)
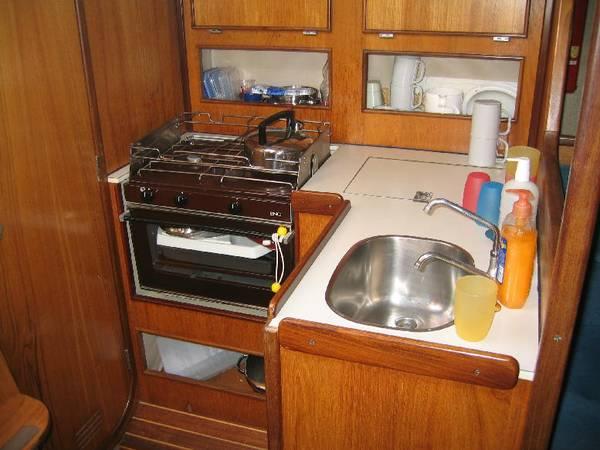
220, 264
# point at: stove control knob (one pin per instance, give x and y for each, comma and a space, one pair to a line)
235, 207
147, 194
181, 199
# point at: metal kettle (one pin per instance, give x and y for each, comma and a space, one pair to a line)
277, 148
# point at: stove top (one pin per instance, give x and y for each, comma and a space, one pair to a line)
191, 164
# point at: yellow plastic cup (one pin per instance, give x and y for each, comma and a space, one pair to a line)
474, 306
522, 150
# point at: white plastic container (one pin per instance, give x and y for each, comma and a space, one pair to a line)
521, 181
195, 361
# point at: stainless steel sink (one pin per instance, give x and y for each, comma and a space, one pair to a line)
376, 283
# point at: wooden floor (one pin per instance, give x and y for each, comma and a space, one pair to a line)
153, 427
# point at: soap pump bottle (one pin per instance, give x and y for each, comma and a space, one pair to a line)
521, 181
517, 255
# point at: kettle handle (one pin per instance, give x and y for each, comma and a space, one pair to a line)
290, 117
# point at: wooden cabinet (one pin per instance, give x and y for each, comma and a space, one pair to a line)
264, 14
338, 392
60, 326
60, 322
134, 51
503, 17
415, 28
227, 397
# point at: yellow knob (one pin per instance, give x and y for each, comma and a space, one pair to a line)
282, 231
275, 287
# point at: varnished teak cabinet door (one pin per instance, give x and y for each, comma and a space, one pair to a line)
273, 14
506, 17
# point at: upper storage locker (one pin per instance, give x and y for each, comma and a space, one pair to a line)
484, 17
262, 14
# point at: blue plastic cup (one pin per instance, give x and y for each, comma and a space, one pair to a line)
488, 204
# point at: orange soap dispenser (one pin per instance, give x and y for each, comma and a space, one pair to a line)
515, 262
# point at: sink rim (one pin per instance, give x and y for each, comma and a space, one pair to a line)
365, 241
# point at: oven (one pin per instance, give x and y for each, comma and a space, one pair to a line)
207, 225
201, 260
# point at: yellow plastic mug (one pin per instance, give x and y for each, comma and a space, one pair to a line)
474, 306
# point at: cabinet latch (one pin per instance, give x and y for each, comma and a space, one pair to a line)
128, 362
422, 197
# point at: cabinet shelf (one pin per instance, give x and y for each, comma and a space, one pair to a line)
194, 363
264, 104
280, 78
438, 84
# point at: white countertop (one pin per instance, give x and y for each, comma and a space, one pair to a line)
382, 205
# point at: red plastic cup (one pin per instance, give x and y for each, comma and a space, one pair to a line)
472, 188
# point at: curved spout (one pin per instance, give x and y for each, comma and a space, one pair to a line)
436, 202
428, 257
433, 204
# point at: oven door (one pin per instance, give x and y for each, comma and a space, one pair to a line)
205, 260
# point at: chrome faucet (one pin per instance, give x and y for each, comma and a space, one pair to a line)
425, 258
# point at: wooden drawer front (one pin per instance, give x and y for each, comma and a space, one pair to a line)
305, 15
506, 17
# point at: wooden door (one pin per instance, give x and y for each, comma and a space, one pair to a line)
504, 17
135, 56
344, 389
60, 326
265, 14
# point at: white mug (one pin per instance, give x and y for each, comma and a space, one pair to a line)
406, 97
374, 95
408, 69
483, 152
444, 100
485, 120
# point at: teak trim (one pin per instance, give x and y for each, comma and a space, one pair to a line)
549, 217
572, 252
407, 355
315, 203
273, 383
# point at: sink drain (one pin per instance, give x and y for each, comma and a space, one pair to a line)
406, 323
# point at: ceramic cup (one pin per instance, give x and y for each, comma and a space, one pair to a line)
406, 97
444, 100
483, 152
408, 69
485, 120
374, 94
472, 188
